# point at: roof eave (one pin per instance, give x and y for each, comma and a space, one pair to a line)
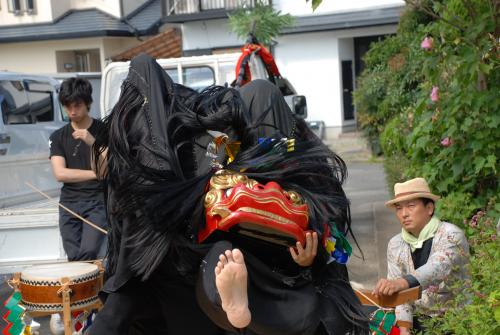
65, 36
330, 27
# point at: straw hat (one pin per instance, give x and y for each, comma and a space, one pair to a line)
411, 189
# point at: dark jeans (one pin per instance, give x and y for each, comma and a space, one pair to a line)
80, 240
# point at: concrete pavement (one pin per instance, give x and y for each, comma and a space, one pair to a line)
372, 223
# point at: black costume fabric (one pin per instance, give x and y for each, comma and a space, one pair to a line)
152, 261
157, 172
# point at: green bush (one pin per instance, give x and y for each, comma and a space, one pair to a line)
476, 310
392, 73
435, 108
452, 140
393, 143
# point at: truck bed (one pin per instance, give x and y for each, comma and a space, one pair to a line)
29, 234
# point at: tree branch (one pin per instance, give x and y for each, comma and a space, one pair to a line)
431, 13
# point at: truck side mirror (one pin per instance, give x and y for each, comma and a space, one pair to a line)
299, 106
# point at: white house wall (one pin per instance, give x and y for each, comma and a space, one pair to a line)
112, 46
208, 34
18, 57
130, 5
310, 62
112, 7
301, 7
59, 7
43, 13
50, 10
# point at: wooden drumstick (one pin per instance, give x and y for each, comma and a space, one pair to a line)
69, 210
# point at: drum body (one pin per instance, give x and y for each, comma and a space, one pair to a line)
41, 286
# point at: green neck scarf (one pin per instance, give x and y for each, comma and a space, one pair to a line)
428, 232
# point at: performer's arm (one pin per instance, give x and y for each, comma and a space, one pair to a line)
304, 256
395, 283
65, 175
100, 167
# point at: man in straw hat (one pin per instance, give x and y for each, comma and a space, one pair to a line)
428, 252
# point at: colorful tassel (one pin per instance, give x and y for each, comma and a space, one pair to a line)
337, 246
14, 315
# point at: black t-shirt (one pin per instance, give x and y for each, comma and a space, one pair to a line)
77, 156
420, 257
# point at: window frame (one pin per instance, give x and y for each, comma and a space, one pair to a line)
25, 84
23, 7
49, 91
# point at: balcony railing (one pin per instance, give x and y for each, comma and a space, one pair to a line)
186, 7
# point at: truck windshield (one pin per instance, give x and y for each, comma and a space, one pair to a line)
195, 77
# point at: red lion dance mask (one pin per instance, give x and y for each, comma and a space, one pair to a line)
237, 203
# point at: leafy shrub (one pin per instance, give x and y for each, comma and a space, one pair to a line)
436, 110
476, 309
430, 94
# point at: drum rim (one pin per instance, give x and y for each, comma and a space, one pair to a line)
40, 280
74, 305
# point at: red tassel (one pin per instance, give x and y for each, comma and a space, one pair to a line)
394, 331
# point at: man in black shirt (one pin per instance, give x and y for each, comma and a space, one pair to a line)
70, 148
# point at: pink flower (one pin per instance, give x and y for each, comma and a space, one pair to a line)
433, 289
446, 142
435, 94
427, 43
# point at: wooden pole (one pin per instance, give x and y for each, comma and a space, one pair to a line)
66, 291
389, 301
93, 225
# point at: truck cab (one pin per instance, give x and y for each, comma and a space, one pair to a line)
197, 72
30, 113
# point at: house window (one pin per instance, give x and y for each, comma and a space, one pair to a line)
14, 6
78, 60
196, 6
30, 6
212, 4
21, 6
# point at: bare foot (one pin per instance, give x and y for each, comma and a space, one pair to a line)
231, 281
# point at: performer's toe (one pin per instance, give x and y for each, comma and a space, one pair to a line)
223, 259
238, 256
229, 256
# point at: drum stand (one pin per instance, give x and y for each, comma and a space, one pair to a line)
390, 302
65, 293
